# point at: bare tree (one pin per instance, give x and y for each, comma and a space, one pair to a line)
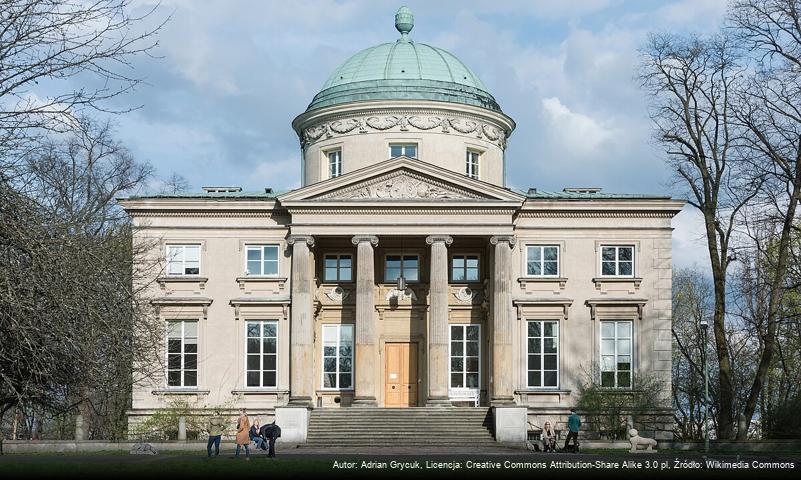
769, 111
57, 40
691, 82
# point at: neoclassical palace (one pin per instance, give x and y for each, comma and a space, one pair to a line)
404, 272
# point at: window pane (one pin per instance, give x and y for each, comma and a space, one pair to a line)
174, 346
253, 330
550, 329
534, 253
345, 364
192, 268
626, 268
458, 275
457, 333
253, 345
395, 150
268, 362
392, 274
345, 380
254, 267
608, 268
174, 362
608, 379
458, 262
346, 334
472, 262
190, 361
330, 380
472, 380
550, 379
549, 362
190, 329
472, 348
608, 329
269, 345
254, 253
624, 379
534, 329
534, 379
270, 329
190, 347
253, 379
623, 329
624, 347
607, 363
534, 362
608, 253
345, 274
331, 274
330, 365
551, 253
607, 347
268, 379
534, 268
533, 345
624, 362
175, 267
329, 351
457, 364
457, 348
471, 364
345, 261
472, 332
192, 253
625, 253
410, 274
551, 268
190, 379
457, 380
550, 345
174, 378
253, 362
411, 151
472, 274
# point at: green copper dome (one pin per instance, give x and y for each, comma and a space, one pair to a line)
404, 70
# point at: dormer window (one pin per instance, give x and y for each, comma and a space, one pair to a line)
334, 163
401, 149
472, 164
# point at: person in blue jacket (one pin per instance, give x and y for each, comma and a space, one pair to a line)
573, 427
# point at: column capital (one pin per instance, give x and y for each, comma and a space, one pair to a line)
510, 239
432, 239
293, 239
357, 239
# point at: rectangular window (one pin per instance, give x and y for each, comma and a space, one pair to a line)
182, 353
262, 260
617, 261
472, 164
183, 260
465, 343
400, 149
616, 353
542, 261
543, 354
338, 357
261, 339
334, 163
464, 268
338, 268
407, 266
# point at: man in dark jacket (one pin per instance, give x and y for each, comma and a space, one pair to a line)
270, 432
573, 427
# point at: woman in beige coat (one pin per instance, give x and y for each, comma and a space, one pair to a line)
242, 434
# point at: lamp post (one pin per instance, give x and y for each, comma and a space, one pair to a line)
704, 327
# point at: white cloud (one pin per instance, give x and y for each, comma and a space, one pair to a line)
689, 239
576, 132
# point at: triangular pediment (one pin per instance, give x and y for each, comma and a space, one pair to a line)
401, 179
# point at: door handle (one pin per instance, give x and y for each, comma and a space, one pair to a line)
393, 387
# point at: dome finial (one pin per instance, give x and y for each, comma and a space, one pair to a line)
404, 22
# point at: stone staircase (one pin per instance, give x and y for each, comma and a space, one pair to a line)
401, 427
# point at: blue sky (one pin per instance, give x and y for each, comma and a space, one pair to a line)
218, 104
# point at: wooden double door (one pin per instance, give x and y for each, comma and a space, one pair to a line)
400, 381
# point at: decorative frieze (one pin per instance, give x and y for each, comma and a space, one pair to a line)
403, 122
400, 185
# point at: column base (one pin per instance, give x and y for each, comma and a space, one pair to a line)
300, 402
364, 402
502, 401
439, 402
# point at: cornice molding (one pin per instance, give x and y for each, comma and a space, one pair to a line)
172, 212
594, 214
401, 211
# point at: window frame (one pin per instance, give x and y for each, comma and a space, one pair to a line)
261, 353
542, 353
182, 370
616, 339
402, 255
464, 255
617, 261
542, 247
183, 246
338, 163
261, 247
404, 145
473, 169
464, 355
338, 256
323, 356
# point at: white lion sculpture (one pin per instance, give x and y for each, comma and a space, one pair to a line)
637, 441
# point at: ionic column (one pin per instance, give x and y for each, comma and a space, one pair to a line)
438, 322
365, 393
301, 381
502, 384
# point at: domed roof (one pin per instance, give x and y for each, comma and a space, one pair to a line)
404, 70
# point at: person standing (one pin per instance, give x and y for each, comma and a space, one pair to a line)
216, 429
243, 434
573, 427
